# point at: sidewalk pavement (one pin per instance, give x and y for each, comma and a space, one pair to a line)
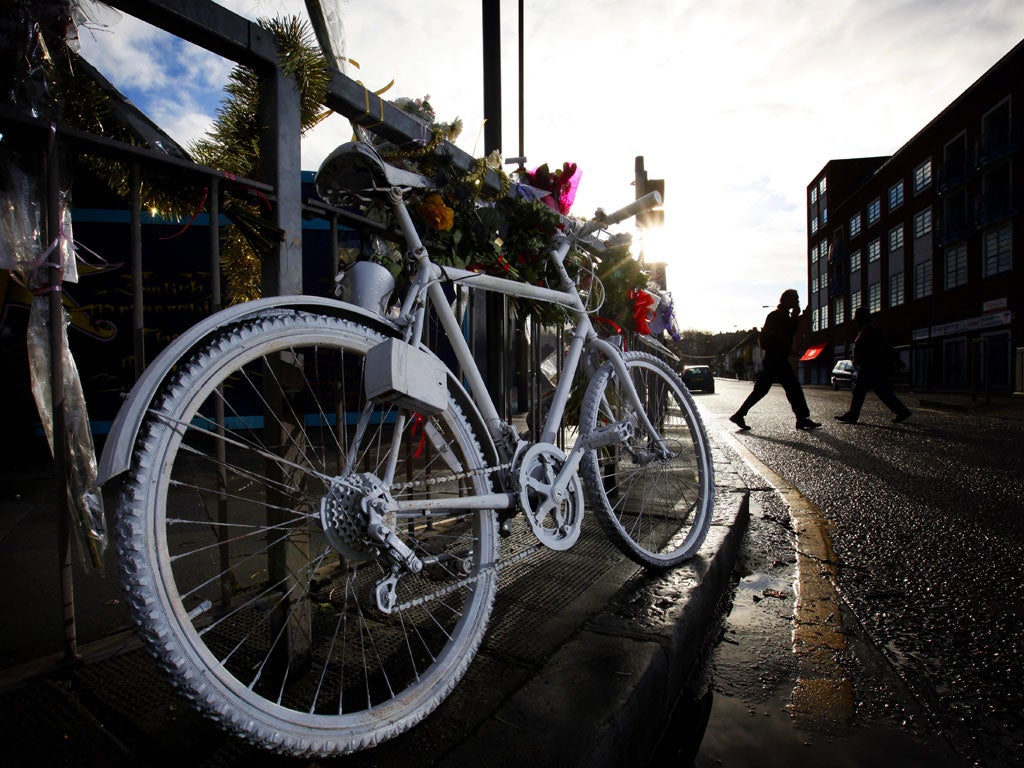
581, 664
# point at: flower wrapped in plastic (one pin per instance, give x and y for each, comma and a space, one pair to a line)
560, 185
665, 318
654, 312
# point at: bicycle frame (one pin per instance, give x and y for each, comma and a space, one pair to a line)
319, 576
426, 286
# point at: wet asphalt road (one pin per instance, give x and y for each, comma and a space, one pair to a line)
926, 524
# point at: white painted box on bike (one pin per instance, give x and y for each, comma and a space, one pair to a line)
410, 377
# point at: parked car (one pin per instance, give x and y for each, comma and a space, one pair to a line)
844, 374
699, 377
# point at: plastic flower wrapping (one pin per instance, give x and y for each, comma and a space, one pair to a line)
559, 186
41, 262
665, 318
654, 312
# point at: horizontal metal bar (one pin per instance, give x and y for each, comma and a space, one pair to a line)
208, 25
365, 108
510, 287
320, 208
234, 37
100, 145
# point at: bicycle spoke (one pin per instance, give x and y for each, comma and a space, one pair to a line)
640, 487
262, 558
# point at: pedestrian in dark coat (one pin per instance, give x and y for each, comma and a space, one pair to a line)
777, 342
875, 359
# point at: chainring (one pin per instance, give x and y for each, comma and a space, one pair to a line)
556, 522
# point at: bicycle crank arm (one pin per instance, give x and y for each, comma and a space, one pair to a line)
568, 470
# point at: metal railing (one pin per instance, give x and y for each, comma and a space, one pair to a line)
233, 37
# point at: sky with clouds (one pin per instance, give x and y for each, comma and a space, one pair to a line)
737, 104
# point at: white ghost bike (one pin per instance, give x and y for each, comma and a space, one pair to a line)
312, 501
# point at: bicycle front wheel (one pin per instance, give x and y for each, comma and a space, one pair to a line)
246, 558
654, 501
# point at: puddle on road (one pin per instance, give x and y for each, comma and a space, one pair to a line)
740, 709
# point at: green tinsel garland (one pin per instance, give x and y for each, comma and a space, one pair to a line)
231, 145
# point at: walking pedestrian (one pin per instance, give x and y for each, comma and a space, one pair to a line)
874, 358
776, 340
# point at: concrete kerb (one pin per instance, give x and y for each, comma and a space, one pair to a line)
604, 698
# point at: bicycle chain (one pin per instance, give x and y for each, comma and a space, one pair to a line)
419, 484
494, 567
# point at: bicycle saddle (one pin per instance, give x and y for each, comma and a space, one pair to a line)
356, 167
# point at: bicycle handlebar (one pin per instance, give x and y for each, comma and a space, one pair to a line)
602, 220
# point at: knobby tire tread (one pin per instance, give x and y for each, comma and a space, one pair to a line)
146, 601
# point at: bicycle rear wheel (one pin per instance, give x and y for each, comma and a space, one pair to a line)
656, 506
244, 549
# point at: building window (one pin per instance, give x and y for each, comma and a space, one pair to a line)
923, 279
855, 225
814, 225
822, 186
996, 252
824, 215
896, 289
874, 250
814, 195
874, 210
824, 316
895, 238
995, 129
955, 159
815, 324
997, 193
812, 254
923, 222
874, 297
923, 176
814, 284
854, 302
895, 195
823, 250
855, 260
839, 311
824, 282
955, 221
956, 266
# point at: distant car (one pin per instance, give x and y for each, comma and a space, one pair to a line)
844, 374
699, 377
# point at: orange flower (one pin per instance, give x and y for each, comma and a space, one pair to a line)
435, 213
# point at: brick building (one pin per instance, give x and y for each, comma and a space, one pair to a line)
929, 239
